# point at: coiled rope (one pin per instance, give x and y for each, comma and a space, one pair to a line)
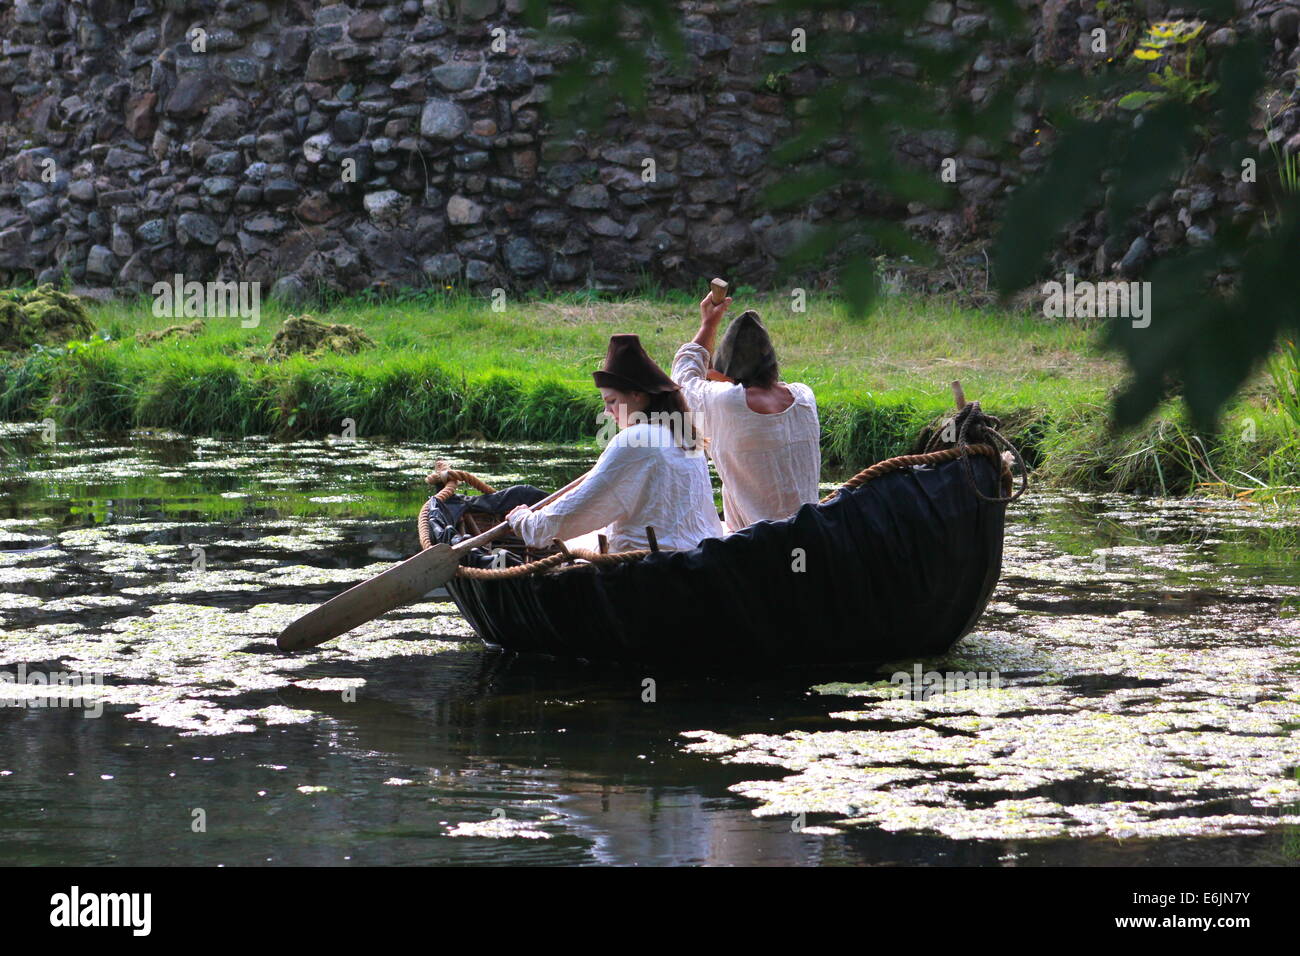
972, 425
450, 478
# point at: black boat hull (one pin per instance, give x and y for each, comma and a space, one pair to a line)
901, 567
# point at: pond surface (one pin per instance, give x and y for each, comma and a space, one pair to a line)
1146, 656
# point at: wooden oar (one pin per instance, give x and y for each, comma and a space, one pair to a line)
399, 585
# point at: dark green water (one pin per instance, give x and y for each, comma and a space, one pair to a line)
1147, 713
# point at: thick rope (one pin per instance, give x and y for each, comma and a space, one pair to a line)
426, 542
562, 561
882, 468
971, 424
450, 478
518, 571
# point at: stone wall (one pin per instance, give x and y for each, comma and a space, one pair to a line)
230, 162
1205, 194
350, 146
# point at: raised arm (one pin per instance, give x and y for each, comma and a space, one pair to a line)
710, 319
691, 363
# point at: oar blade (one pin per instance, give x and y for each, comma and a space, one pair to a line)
399, 585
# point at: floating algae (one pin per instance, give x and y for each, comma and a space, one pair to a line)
499, 828
302, 334
173, 664
1148, 654
42, 316
1108, 721
190, 648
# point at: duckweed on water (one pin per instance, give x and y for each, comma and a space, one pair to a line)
1109, 721
499, 828
1149, 673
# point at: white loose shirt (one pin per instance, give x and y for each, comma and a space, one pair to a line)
770, 464
641, 478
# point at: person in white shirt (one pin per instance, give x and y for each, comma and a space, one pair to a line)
653, 472
765, 438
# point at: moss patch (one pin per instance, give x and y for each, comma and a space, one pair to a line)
41, 316
304, 335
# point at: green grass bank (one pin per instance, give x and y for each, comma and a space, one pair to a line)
447, 366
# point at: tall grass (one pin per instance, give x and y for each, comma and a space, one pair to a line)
401, 397
1284, 369
1253, 450
447, 367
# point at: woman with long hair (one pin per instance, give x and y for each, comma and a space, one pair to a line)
653, 471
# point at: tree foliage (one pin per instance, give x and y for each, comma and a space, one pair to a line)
1204, 339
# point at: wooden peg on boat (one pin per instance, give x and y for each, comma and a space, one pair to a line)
650, 536
959, 395
602, 544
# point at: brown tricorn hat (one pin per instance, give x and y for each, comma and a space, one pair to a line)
629, 369
746, 352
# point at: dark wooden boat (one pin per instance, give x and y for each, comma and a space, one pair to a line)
898, 563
